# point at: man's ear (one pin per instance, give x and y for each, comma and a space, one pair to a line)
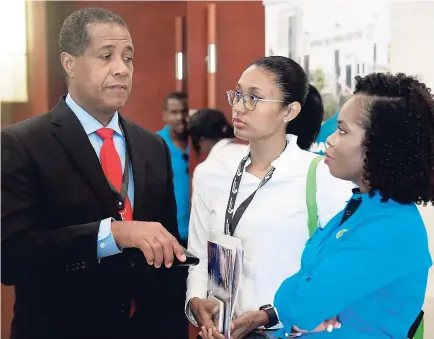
164, 115
292, 111
68, 63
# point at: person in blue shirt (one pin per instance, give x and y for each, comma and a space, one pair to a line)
327, 128
366, 272
174, 133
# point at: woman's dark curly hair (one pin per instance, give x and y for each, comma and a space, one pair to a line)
399, 138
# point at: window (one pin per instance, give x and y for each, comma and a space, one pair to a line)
348, 78
306, 64
13, 58
291, 37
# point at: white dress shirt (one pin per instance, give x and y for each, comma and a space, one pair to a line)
274, 228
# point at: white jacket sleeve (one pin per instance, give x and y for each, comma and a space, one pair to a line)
332, 194
197, 280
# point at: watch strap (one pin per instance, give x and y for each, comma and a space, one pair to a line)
273, 319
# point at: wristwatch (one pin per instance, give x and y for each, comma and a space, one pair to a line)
273, 319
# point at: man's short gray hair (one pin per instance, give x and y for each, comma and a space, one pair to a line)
74, 37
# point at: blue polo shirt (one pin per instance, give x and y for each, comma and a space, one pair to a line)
181, 182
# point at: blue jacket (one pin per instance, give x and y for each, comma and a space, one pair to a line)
371, 272
181, 181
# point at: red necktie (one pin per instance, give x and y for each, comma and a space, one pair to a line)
112, 167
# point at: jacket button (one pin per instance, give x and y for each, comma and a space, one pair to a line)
77, 266
132, 263
307, 278
123, 308
83, 265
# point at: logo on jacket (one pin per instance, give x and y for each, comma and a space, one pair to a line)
340, 233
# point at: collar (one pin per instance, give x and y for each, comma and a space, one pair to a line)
164, 133
374, 198
290, 147
89, 123
219, 145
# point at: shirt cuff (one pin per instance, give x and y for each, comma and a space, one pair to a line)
189, 314
106, 244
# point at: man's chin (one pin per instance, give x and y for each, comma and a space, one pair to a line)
179, 128
116, 105
181, 133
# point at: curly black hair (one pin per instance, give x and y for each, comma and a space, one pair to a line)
399, 137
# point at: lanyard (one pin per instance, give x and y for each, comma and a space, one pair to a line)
232, 219
122, 195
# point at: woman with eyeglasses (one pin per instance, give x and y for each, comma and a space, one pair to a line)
280, 115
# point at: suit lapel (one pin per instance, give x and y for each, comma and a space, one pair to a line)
71, 134
133, 141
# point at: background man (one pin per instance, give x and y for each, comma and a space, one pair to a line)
175, 115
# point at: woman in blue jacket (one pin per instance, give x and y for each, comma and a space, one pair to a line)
366, 271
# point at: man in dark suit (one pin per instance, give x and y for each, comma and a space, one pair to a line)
88, 209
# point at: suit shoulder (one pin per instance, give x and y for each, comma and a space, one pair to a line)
31, 126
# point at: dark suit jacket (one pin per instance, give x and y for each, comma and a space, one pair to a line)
54, 195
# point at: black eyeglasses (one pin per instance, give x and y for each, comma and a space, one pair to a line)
249, 100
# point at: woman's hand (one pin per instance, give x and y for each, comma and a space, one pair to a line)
247, 323
210, 333
203, 311
240, 327
326, 325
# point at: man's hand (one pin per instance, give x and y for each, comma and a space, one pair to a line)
156, 243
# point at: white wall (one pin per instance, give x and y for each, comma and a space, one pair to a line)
353, 28
412, 38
